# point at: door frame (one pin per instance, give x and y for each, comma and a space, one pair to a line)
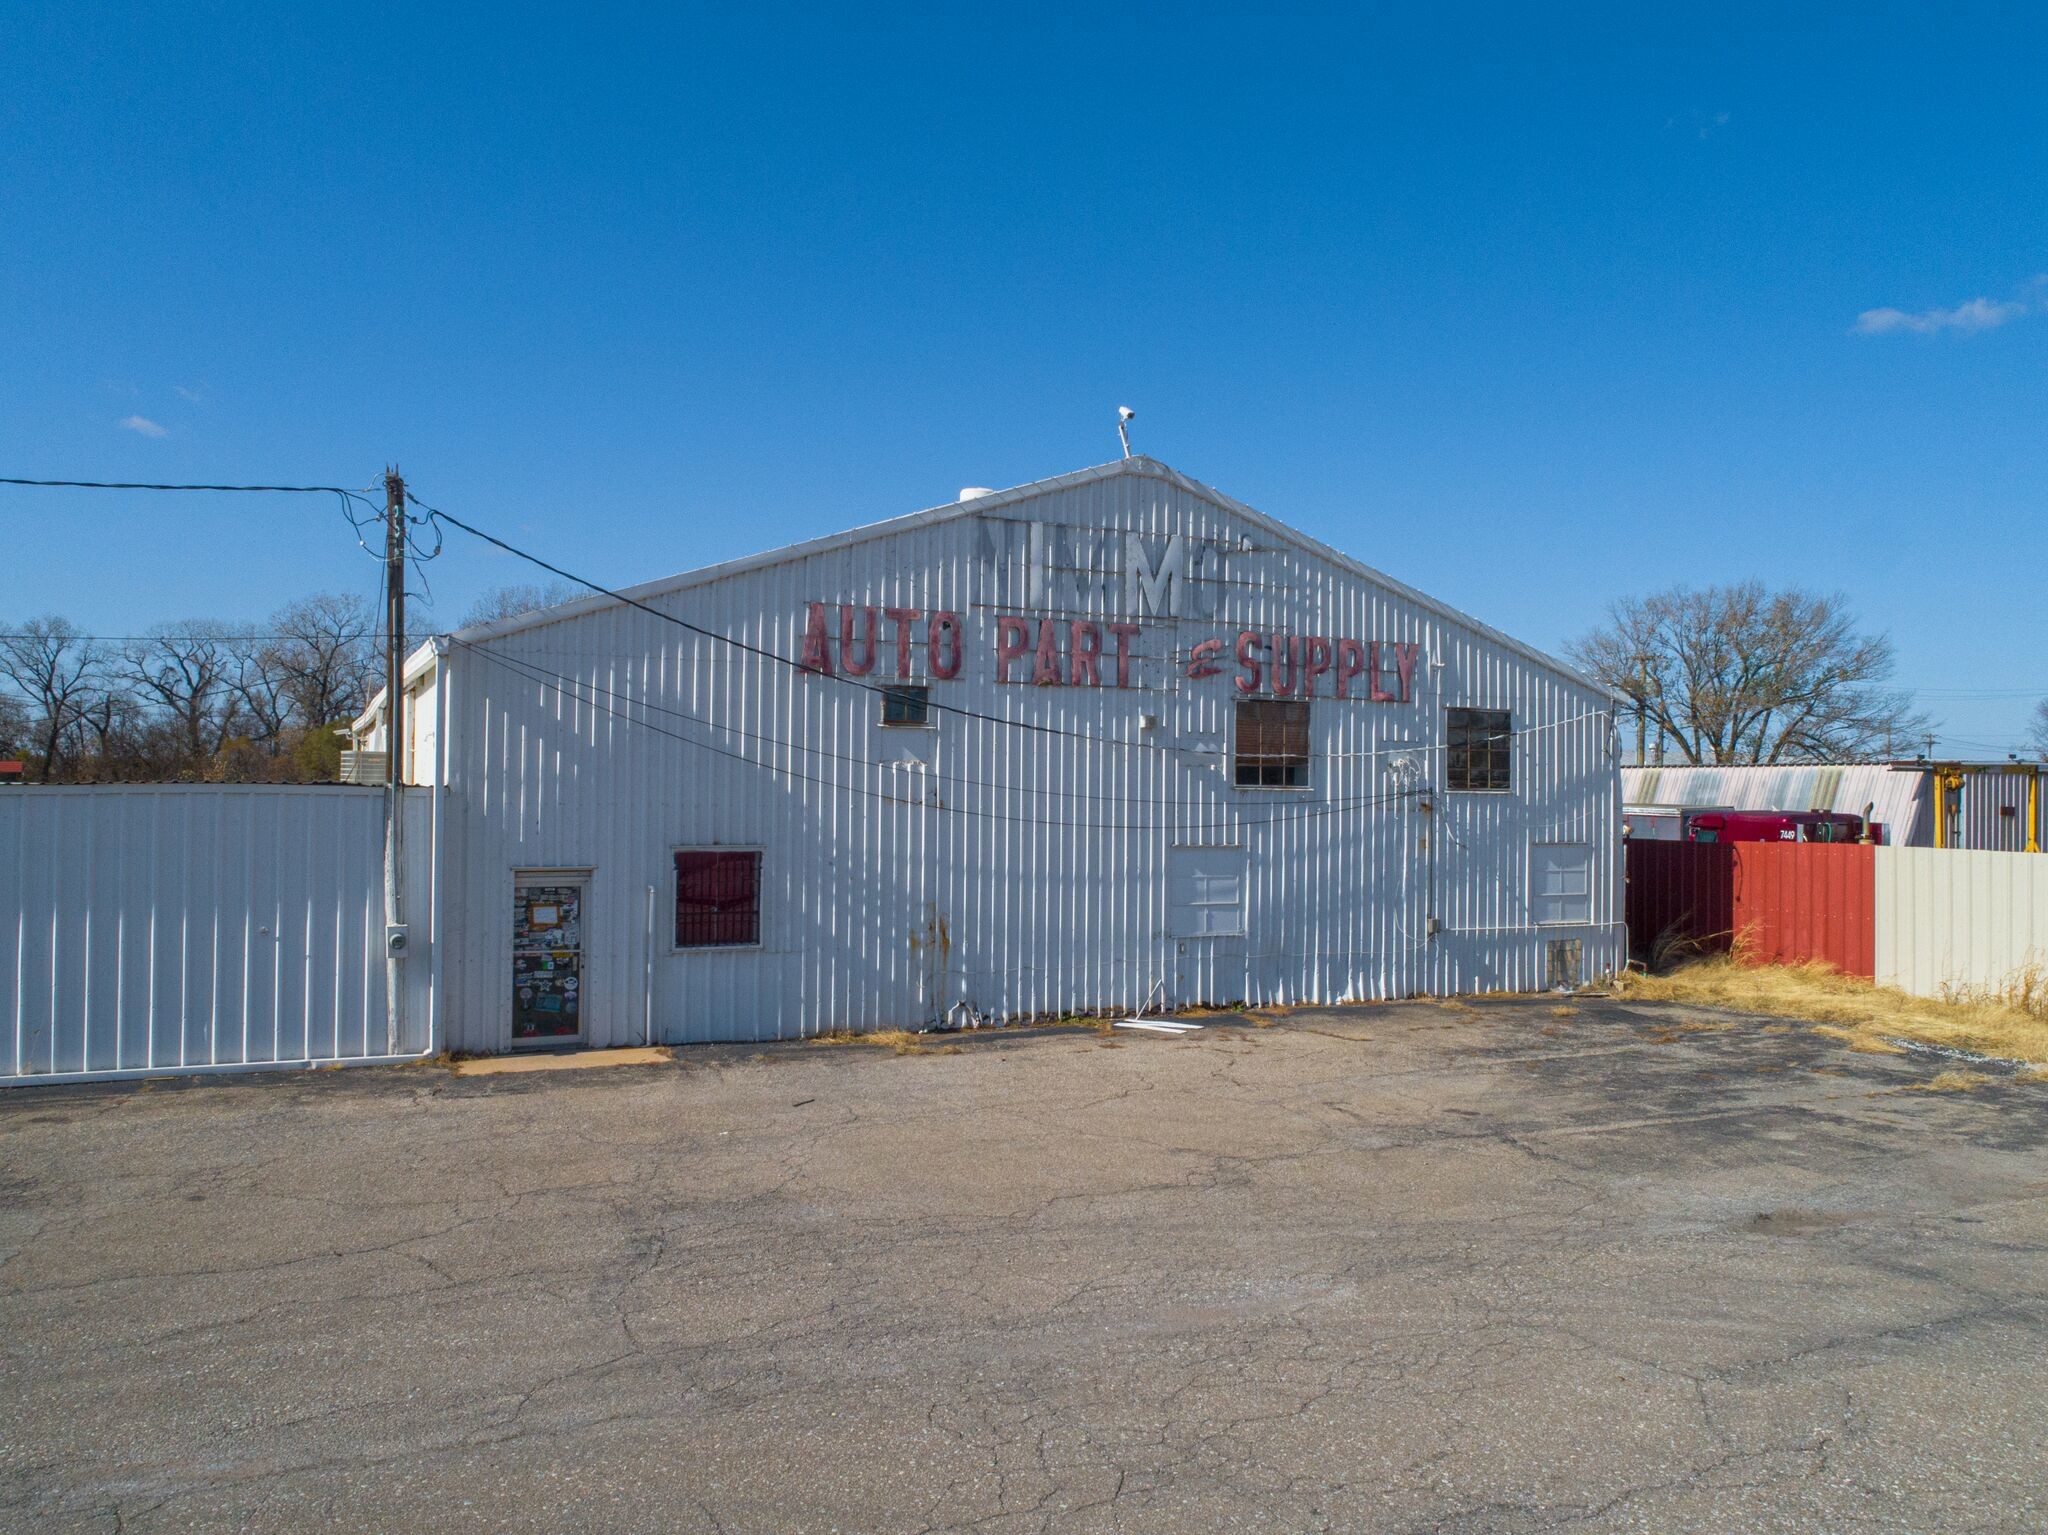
583, 877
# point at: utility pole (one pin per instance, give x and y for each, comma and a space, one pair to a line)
1642, 706
394, 756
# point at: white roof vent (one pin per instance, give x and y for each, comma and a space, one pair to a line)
974, 492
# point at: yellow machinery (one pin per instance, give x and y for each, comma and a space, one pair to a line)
1948, 789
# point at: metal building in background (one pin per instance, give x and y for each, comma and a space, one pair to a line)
1107, 741
1978, 806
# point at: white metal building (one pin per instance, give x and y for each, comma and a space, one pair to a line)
1101, 742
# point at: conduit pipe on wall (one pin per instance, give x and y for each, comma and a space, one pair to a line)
647, 975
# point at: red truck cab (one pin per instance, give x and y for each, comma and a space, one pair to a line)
1777, 826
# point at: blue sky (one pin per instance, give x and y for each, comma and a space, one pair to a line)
1530, 307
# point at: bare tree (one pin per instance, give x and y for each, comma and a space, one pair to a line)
263, 692
2037, 729
511, 601
14, 726
325, 650
188, 671
1740, 674
59, 671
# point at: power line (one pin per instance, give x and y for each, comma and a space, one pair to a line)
882, 688
305, 490
1168, 809
563, 683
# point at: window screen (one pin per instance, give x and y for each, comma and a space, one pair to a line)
1272, 744
1476, 743
718, 898
1561, 881
906, 705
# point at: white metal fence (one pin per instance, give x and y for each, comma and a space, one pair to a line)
1950, 922
199, 927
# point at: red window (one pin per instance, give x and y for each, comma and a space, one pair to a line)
718, 898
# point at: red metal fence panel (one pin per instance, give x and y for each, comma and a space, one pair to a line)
1684, 889
1798, 901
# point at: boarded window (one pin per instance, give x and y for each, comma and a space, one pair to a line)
1561, 883
1272, 744
1476, 749
906, 705
1205, 892
718, 898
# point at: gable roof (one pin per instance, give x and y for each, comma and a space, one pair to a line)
1150, 468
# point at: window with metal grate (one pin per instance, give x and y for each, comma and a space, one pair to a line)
718, 898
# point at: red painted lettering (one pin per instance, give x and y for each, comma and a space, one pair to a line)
1045, 665
1317, 663
1350, 662
902, 618
1013, 639
1379, 694
1248, 658
817, 651
1404, 659
1084, 653
1124, 633
1202, 659
866, 663
1290, 648
942, 646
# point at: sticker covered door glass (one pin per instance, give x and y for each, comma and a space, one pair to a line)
547, 962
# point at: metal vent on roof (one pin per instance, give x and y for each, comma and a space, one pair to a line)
974, 492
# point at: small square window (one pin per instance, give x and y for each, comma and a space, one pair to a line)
906, 705
718, 898
1272, 744
1477, 750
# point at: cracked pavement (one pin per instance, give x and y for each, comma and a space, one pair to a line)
1413, 1267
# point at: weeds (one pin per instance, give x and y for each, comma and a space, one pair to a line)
902, 1041
2013, 1022
1950, 1082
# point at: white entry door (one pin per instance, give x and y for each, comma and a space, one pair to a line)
1205, 900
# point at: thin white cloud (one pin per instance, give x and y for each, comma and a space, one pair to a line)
190, 394
142, 425
1969, 317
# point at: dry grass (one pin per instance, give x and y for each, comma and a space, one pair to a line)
902, 1041
1950, 1082
2013, 1024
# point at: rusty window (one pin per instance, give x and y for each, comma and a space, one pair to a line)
906, 705
718, 898
1476, 749
1272, 744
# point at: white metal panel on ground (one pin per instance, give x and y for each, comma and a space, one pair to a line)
166, 927
1897, 797
1953, 921
1014, 858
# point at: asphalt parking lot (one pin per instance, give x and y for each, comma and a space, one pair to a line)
1407, 1267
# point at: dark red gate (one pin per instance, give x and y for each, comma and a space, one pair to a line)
1683, 889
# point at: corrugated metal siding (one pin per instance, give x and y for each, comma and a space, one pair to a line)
1002, 869
1950, 921
1796, 902
1901, 795
1993, 814
175, 926
1684, 888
